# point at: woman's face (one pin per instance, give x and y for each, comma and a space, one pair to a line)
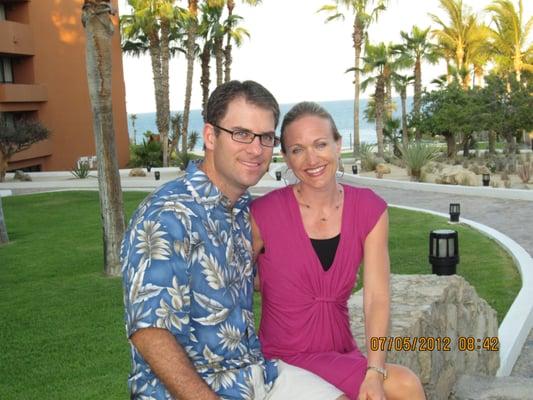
311, 150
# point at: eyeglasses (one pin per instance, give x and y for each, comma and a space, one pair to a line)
242, 136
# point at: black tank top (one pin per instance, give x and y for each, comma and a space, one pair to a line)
325, 249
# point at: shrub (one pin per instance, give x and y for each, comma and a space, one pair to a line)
81, 170
146, 154
368, 159
416, 156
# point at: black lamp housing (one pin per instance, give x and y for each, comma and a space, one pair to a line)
444, 251
455, 211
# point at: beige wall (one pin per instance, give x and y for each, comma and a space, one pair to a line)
59, 64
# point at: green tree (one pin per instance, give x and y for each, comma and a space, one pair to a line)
401, 83
417, 48
507, 106
210, 31
449, 112
365, 12
133, 119
233, 34
99, 32
16, 136
510, 38
463, 39
152, 27
379, 63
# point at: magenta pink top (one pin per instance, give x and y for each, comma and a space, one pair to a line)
304, 317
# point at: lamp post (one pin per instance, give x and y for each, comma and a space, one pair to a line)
157, 175
354, 169
485, 179
455, 211
443, 251
278, 175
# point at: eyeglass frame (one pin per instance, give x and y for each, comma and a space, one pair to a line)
259, 135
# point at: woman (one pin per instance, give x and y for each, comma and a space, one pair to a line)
310, 238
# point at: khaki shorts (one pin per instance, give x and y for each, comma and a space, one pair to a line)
294, 383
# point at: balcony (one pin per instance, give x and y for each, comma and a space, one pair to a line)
16, 38
17, 93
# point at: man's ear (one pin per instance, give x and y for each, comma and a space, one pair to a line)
209, 136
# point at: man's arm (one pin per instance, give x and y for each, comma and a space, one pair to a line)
171, 364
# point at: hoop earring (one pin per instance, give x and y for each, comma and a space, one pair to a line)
340, 169
289, 177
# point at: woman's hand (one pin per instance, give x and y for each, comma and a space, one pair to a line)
372, 387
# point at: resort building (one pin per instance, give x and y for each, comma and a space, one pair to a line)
43, 76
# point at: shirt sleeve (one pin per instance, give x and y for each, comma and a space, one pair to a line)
373, 208
156, 274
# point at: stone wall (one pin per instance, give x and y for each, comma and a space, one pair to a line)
436, 311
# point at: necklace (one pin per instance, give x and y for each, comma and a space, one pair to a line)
324, 218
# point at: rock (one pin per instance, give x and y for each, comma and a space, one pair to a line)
382, 169
431, 318
137, 172
21, 176
457, 175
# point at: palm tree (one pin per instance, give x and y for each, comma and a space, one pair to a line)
510, 38
379, 63
210, 30
191, 21
462, 39
133, 119
417, 47
99, 32
365, 11
151, 28
401, 82
232, 34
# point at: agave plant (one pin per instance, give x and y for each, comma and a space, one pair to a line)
416, 155
368, 158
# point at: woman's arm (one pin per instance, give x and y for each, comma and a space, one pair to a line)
257, 246
376, 301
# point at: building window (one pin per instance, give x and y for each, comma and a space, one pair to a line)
6, 70
8, 118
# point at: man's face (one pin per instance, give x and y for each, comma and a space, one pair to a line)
239, 165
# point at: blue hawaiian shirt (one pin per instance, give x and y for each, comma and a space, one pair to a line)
187, 268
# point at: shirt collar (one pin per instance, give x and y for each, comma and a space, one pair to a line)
203, 190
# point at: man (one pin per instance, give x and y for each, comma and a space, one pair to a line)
188, 271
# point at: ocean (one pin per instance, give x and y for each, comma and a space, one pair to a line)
341, 110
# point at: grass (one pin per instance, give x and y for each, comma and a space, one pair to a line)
62, 333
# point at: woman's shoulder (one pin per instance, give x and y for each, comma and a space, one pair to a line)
361, 194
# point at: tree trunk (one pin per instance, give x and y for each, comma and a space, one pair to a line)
219, 59
417, 95
492, 142
230, 4
450, 143
191, 40
405, 136
205, 78
227, 62
99, 31
357, 44
3, 230
466, 145
3, 166
380, 106
165, 94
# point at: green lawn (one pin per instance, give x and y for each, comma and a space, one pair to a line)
62, 333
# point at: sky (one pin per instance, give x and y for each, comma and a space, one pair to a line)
292, 51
